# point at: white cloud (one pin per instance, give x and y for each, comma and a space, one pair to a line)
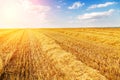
58, 7
95, 15
101, 5
76, 5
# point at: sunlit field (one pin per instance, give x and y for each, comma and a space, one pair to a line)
60, 54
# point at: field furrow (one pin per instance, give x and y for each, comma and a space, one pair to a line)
112, 39
59, 54
105, 59
66, 63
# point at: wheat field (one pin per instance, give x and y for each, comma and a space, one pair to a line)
60, 54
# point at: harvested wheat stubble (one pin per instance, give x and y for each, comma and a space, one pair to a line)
71, 68
58, 54
93, 55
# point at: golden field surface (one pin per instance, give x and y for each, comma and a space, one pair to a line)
60, 54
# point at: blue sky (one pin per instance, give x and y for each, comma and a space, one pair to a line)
59, 13
69, 16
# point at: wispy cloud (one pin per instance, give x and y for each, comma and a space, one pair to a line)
76, 5
101, 5
58, 6
95, 15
